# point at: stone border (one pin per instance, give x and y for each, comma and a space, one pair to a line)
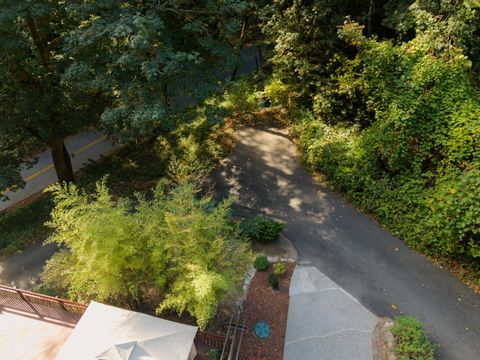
383, 341
291, 254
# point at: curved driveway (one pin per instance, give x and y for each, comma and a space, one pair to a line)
367, 261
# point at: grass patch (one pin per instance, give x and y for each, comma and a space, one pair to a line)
411, 340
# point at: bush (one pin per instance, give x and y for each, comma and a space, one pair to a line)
279, 269
411, 340
180, 246
262, 229
241, 96
277, 93
274, 282
213, 354
261, 263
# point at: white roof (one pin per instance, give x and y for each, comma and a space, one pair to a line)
109, 333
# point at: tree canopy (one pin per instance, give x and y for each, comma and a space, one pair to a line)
36, 104
122, 66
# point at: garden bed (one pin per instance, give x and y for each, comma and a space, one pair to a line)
265, 304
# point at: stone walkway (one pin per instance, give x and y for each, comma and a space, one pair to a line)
324, 321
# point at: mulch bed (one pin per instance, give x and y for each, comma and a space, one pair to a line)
265, 304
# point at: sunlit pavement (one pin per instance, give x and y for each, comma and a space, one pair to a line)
376, 268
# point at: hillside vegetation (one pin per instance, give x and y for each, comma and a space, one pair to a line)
385, 104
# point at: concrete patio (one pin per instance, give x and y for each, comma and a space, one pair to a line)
324, 321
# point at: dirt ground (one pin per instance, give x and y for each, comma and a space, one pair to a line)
265, 304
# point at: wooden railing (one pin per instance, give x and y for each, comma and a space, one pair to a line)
211, 340
39, 305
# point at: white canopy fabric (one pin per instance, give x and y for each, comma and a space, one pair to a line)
108, 333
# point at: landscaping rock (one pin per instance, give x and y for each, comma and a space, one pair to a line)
383, 341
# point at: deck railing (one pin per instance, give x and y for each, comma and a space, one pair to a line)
42, 306
211, 340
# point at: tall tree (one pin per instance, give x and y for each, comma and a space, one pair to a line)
154, 58
127, 66
36, 104
305, 38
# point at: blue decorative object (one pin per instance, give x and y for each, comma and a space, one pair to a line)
262, 329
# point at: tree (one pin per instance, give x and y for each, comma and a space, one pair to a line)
459, 19
179, 251
126, 66
36, 104
154, 58
305, 39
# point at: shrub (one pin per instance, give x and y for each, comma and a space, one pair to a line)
274, 281
411, 340
262, 229
342, 99
178, 245
213, 354
261, 263
279, 269
277, 92
241, 97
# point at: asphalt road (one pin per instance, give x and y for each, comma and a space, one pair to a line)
349, 247
83, 147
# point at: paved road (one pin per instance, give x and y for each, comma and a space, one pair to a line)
83, 147
23, 269
368, 262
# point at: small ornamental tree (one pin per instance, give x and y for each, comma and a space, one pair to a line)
183, 248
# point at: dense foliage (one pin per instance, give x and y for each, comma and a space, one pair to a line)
177, 250
127, 67
304, 35
393, 118
152, 57
262, 229
411, 340
182, 155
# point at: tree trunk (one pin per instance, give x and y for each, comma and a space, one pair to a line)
234, 73
62, 162
243, 33
371, 11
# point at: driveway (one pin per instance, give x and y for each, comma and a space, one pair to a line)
375, 267
325, 322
